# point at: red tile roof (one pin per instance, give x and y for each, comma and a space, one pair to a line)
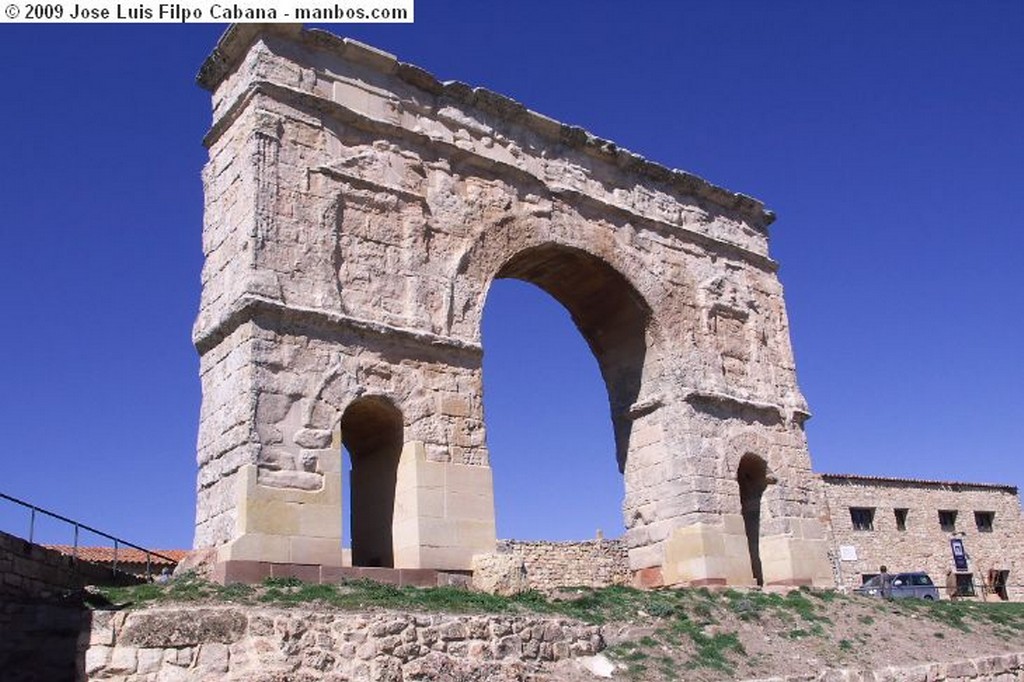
126, 555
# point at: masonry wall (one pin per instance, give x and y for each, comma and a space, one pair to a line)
30, 571
232, 643
924, 545
550, 565
39, 631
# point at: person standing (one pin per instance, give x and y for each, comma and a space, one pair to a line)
951, 586
885, 581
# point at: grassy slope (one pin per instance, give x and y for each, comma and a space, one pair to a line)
694, 634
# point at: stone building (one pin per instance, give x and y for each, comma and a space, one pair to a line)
908, 525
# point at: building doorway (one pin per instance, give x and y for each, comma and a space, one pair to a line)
752, 476
371, 433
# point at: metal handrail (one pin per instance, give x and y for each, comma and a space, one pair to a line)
81, 526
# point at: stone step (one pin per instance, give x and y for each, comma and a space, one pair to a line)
237, 571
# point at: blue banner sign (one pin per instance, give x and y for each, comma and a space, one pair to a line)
959, 554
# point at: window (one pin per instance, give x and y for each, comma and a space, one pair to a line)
965, 584
863, 518
947, 520
866, 578
901, 518
984, 521
920, 579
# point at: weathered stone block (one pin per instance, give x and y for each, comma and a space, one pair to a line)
503, 574
182, 628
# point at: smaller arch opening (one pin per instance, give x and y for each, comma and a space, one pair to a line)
752, 476
372, 434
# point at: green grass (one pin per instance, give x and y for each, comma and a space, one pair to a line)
1006, 617
711, 649
632, 657
799, 604
828, 596
591, 606
667, 667
752, 606
714, 651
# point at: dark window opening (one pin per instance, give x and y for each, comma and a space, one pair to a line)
947, 520
901, 518
863, 518
984, 521
865, 578
965, 584
997, 579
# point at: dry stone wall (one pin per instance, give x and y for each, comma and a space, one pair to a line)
182, 644
551, 565
264, 645
39, 627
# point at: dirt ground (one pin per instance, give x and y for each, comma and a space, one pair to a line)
759, 636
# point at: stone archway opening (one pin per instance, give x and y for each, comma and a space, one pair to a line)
372, 434
546, 410
611, 319
607, 310
752, 476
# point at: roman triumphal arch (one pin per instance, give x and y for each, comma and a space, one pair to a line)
357, 210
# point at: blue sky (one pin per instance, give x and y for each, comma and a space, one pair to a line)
887, 137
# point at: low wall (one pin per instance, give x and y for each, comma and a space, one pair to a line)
30, 571
41, 641
550, 565
39, 632
264, 644
271, 644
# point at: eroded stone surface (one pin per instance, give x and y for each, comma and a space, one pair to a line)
181, 628
503, 574
357, 211
275, 644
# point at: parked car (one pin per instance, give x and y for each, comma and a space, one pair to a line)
904, 585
